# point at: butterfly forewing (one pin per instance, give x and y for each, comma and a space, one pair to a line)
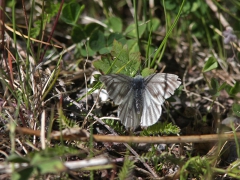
162, 85
117, 86
158, 87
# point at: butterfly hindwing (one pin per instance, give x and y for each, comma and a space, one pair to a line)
151, 109
162, 85
127, 112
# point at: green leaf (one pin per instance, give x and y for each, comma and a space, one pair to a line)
146, 72
97, 40
215, 87
52, 8
34, 32
210, 64
132, 45
78, 34
236, 109
154, 23
161, 128
56, 151
71, 13
23, 174
214, 83
82, 50
17, 159
124, 62
104, 64
127, 168
222, 86
132, 32
195, 6
47, 164
228, 88
116, 125
90, 28
235, 89
169, 5
44, 161
105, 50
115, 36
232, 91
116, 24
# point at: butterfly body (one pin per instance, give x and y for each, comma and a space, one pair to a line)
139, 98
138, 88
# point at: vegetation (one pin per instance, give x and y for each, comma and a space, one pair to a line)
56, 120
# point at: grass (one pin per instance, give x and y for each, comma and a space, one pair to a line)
55, 120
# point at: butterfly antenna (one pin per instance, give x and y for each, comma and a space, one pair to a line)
139, 71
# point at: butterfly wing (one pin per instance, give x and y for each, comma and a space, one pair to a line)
158, 87
119, 89
117, 85
127, 112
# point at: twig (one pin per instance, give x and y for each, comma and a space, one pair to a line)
42, 137
215, 102
97, 161
135, 139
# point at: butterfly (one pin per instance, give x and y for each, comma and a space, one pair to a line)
140, 99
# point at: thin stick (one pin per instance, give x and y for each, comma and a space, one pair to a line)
137, 139
195, 94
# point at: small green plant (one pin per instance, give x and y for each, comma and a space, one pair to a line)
116, 125
164, 128
41, 162
127, 169
124, 62
196, 167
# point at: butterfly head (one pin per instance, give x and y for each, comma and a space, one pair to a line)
138, 83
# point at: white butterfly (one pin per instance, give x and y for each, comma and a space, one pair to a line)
139, 98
